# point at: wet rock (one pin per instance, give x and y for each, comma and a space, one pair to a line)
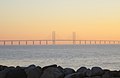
52, 72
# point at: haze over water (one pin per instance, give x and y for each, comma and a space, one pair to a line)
75, 56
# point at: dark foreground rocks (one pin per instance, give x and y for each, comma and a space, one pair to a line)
54, 71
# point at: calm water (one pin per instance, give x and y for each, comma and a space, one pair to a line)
106, 56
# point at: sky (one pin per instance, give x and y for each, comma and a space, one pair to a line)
36, 19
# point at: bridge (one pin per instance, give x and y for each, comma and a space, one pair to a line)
54, 41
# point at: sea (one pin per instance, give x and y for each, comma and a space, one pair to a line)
72, 56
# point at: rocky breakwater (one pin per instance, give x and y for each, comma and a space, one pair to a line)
54, 71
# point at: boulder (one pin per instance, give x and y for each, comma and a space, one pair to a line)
16, 73
115, 73
54, 65
106, 75
61, 69
52, 72
96, 77
88, 73
74, 75
2, 67
82, 71
68, 71
33, 72
31, 66
97, 71
3, 73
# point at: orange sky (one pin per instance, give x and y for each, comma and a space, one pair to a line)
36, 19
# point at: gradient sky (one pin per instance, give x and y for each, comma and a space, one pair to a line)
36, 19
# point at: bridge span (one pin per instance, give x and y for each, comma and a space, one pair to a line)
57, 42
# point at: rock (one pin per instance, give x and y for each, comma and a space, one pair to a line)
97, 71
54, 65
3, 73
115, 73
61, 69
88, 73
82, 71
16, 73
2, 67
106, 74
52, 72
33, 72
32, 66
74, 75
68, 71
96, 77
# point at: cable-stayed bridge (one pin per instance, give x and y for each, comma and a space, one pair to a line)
54, 41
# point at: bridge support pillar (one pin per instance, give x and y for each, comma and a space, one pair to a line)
46, 42
79, 42
26, 42
40, 42
11, 42
33, 43
4, 42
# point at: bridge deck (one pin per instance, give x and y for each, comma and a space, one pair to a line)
47, 42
